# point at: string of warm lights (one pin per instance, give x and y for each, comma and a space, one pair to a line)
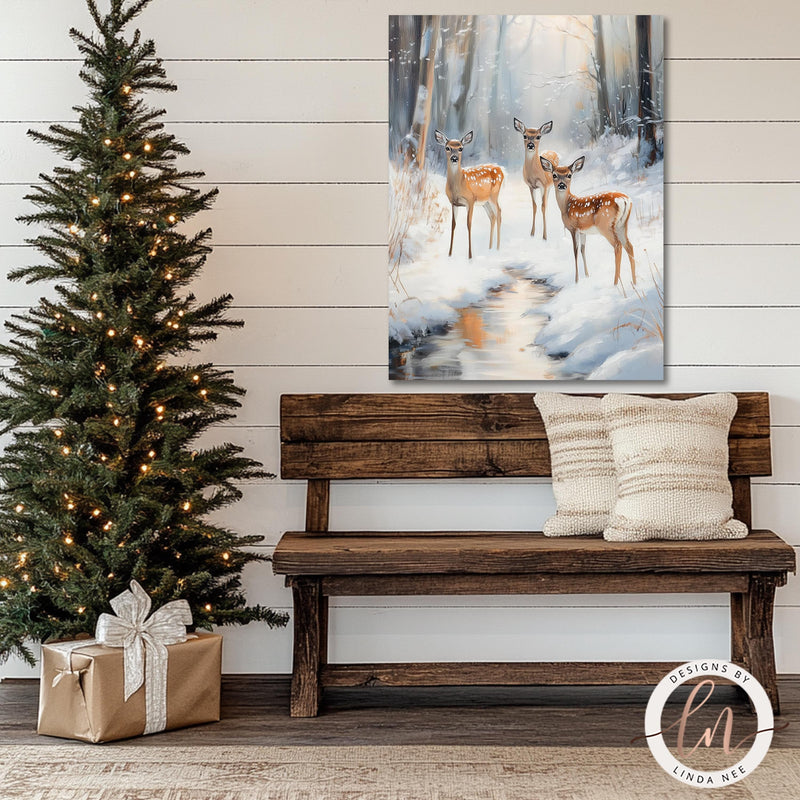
86, 516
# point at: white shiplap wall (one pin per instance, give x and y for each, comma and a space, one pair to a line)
284, 106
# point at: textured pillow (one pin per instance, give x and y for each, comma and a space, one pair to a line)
671, 458
582, 463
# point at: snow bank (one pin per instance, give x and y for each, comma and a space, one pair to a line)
430, 286
602, 331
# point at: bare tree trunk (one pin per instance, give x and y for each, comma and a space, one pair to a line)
422, 110
603, 106
405, 32
468, 61
494, 103
648, 147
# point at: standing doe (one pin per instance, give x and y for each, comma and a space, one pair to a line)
606, 213
532, 171
465, 187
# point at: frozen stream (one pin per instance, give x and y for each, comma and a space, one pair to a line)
491, 340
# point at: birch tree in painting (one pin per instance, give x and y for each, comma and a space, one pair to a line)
515, 312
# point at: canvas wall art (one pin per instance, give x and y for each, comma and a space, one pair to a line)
526, 211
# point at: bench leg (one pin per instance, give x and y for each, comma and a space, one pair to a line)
308, 646
739, 629
760, 650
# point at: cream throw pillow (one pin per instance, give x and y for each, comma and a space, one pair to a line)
671, 458
582, 463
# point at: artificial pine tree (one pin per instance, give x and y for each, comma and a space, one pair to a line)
106, 482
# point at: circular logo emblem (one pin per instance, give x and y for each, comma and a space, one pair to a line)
708, 668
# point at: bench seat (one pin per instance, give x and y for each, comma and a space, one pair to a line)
492, 552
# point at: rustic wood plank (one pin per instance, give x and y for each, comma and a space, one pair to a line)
542, 583
306, 687
483, 673
411, 417
520, 458
742, 502
739, 627
760, 604
420, 459
324, 620
318, 503
389, 553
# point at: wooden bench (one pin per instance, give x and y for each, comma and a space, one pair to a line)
439, 436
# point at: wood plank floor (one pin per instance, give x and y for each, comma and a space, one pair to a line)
255, 711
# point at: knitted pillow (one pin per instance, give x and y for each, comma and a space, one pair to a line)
671, 458
582, 463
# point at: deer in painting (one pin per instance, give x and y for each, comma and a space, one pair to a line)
532, 170
606, 213
465, 187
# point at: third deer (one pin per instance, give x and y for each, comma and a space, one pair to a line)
606, 213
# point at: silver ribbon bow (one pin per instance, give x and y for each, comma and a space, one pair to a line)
144, 641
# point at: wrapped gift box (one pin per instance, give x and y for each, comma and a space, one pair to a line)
82, 689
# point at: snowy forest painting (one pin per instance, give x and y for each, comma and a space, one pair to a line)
526, 197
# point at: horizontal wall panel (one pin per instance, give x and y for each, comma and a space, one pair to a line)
357, 28
748, 275
349, 215
407, 634
229, 153
279, 215
785, 457
356, 90
368, 505
232, 90
356, 276
730, 214
775, 507
265, 385
696, 152
262, 444
19, 293
723, 151
304, 336
273, 215
278, 506
746, 336
712, 90
297, 276
471, 634
356, 336
570, 633
788, 596
255, 276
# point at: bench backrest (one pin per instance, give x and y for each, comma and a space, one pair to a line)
346, 436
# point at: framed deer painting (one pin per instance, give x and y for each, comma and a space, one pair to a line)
526, 181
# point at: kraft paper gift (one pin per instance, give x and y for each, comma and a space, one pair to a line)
81, 694
153, 677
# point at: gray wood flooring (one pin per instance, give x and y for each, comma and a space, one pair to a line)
256, 711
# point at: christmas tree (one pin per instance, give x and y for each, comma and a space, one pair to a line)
106, 482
